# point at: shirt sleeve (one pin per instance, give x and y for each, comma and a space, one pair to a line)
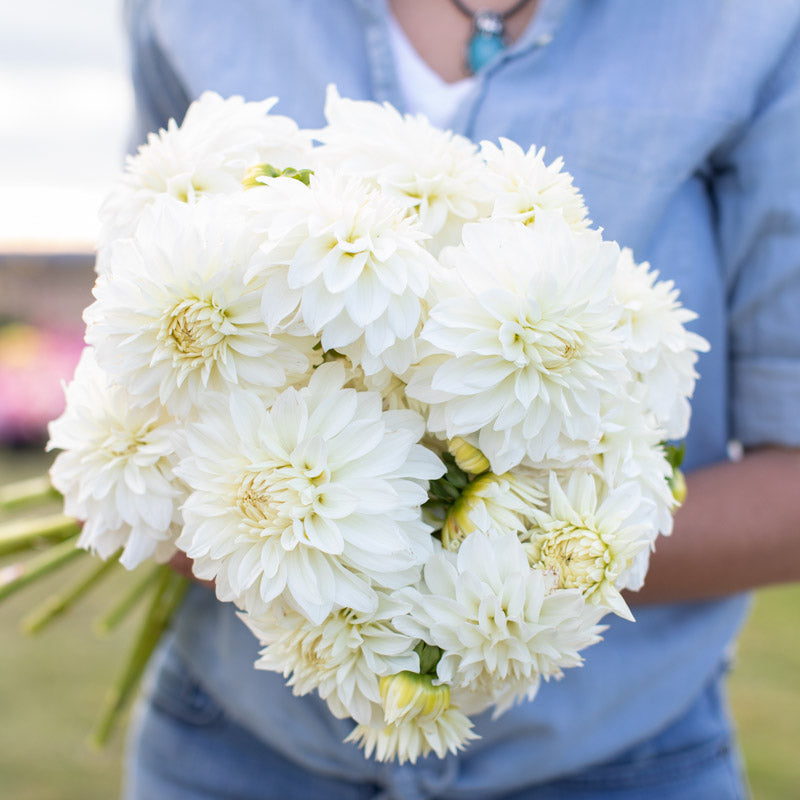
159, 93
757, 192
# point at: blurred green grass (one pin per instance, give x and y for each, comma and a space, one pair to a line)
765, 694
52, 686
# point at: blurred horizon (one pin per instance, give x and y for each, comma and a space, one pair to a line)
64, 87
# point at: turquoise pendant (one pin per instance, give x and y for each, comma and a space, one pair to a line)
487, 40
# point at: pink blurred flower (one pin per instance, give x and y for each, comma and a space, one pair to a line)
33, 363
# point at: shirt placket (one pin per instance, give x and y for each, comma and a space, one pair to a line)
383, 73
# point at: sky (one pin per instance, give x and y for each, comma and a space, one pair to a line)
65, 107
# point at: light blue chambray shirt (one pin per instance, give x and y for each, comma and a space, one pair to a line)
680, 122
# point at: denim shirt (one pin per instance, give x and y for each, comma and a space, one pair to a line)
680, 122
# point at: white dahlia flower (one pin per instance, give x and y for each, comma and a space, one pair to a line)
173, 317
661, 352
437, 174
342, 658
115, 468
316, 499
499, 622
589, 540
209, 153
522, 185
351, 268
526, 342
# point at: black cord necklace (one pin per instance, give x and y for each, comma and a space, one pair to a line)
488, 33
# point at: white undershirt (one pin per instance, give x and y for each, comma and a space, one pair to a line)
423, 89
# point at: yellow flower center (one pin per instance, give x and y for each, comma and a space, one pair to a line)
578, 556
124, 443
194, 329
256, 501
544, 344
281, 500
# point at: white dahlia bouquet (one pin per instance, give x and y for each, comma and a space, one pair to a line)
391, 392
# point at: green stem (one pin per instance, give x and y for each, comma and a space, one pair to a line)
57, 604
112, 618
429, 656
27, 492
17, 576
169, 593
22, 534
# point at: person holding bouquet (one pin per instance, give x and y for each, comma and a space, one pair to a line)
679, 125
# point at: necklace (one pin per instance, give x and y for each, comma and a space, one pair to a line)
488, 33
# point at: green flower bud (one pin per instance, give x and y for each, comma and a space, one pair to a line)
677, 483
467, 456
407, 696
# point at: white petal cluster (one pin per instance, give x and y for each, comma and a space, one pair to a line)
588, 541
631, 451
661, 351
390, 392
342, 658
351, 268
529, 339
499, 622
523, 185
436, 174
315, 500
116, 468
408, 740
173, 317
207, 154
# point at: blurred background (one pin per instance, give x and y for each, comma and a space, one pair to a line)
66, 105
63, 134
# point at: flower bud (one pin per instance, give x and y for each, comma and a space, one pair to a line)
407, 695
467, 456
457, 524
677, 484
252, 178
461, 517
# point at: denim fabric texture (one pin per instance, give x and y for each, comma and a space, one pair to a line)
679, 122
190, 750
